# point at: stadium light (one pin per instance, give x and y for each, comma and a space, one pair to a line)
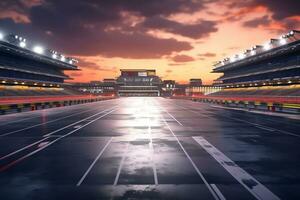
233, 58
282, 40
267, 46
22, 44
54, 56
70, 62
291, 32
38, 49
63, 58
242, 55
1, 36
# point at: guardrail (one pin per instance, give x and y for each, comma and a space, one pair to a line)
30, 103
277, 103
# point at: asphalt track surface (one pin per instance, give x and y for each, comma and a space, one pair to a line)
148, 148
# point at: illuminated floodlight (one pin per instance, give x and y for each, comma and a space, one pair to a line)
38, 49
63, 58
16, 36
70, 62
233, 59
1, 36
22, 44
54, 55
267, 46
282, 40
291, 32
242, 55
252, 52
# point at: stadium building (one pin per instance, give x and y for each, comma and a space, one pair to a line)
26, 69
265, 77
138, 82
107, 87
269, 69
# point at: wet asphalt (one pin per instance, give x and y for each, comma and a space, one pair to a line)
148, 148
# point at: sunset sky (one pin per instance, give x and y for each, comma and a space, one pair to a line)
181, 39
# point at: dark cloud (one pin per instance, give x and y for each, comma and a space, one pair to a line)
281, 9
169, 71
98, 27
182, 58
207, 54
253, 23
195, 31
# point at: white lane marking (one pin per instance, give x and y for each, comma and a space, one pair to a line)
29, 127
152, 153
192, 162
258, 190
254, 124
94, 162
265, 128
285, 115
121, 165
63, 136
78, 125
84, 119
20, 120
218, 192
172, 117
19, 150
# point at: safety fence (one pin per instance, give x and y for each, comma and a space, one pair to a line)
269, 103
30, 103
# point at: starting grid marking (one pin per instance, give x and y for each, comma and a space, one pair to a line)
258, 190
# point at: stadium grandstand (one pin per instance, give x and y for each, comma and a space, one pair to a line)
138, 82
31, 73
277, 62
266, 76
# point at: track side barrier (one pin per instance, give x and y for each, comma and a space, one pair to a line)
20, 104
267, 103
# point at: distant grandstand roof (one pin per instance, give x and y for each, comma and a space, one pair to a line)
285, 44
22, 62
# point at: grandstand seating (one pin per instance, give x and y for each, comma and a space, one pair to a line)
35, 91
283, 91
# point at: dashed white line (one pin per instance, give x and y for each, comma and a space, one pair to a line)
93, 163
218, 192
258, 190
152, 154
121, 165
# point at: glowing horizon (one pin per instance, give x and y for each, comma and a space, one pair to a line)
181, 40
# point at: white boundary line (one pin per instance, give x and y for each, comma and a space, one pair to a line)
121, 165
267, 128
218, 192
94, 162
258, 190
85, 119
50, 143
152, 152
192, 162
19, 150
29, 127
